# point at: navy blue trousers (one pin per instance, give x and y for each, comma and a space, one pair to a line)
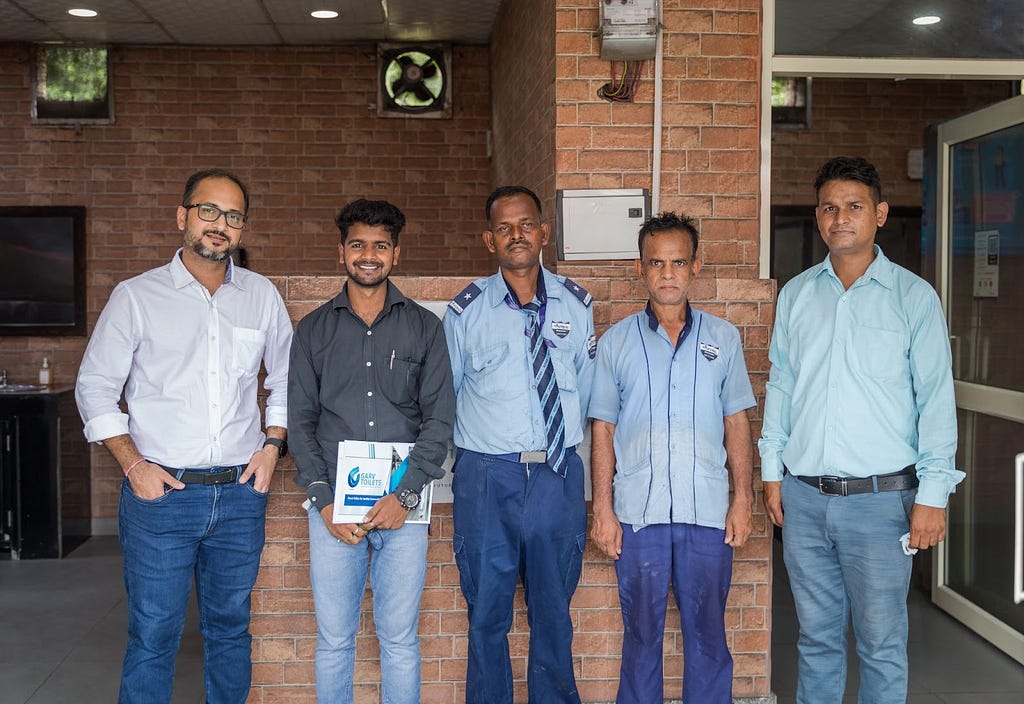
515, 521
698, 564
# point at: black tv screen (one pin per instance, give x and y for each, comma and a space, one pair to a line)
42, 270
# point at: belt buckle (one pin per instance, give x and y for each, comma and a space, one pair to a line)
223, 477
838, 485
534, 457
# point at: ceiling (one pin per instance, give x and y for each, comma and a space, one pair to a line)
248, 22
875, 28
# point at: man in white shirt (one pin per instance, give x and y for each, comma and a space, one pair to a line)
184, 343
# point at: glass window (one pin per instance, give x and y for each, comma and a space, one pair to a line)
71, 84
983, 29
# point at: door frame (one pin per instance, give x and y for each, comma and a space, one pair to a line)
979, 398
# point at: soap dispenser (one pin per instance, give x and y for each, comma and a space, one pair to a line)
44, 372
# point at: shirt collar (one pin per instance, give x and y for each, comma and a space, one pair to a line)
546, 281
182, 277
392, 298
653, 324
881, 269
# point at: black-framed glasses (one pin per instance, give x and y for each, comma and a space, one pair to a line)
211, 213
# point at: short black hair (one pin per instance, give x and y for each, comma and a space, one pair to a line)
508, 192
849, 168
667, 221
193, 183
370, 212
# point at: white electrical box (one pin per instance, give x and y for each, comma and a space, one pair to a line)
601, 223
629, 29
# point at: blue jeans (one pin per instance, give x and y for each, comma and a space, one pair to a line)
844, 559
512, 523
215, 535
698, 563
337, 571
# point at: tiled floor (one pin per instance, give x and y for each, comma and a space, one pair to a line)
62, 635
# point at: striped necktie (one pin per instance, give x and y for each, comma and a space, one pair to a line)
547, 390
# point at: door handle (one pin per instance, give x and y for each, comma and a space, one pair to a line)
1018, 532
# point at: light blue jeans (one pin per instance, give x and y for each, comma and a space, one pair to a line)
338, 572
844, 559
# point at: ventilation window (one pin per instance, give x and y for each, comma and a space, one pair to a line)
71, 84
791, 102
414, 81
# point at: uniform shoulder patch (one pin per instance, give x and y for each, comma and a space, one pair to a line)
578, 291
465, 297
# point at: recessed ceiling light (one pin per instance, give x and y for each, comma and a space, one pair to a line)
324, 14
927, 19
82, 12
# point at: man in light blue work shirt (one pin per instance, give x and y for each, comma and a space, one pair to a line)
670, 401
860, 418
522, 348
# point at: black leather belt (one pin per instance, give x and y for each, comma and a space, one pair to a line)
225, 476
845, 486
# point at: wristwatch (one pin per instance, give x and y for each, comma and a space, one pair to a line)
409, 498
281, 445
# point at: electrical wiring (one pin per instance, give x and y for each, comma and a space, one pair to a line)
622, 89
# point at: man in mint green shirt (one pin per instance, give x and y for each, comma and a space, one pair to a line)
858, 441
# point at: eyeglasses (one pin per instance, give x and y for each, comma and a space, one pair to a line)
211, 213
527, 227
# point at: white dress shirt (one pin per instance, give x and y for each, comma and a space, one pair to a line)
188, 364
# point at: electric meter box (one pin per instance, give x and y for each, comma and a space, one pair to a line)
629, 29
600, 223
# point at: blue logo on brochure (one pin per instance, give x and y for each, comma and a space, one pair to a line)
353, 477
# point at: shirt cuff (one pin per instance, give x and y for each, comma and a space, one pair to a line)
320, 494
278, 416
932, 492
108, 425
771, 469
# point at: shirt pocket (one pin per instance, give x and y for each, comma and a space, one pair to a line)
565, 370
397, 378
881, 354
485, 369
247, 350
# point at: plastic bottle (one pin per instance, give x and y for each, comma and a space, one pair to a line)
44, 372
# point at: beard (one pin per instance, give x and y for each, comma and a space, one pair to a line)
195, 244
369, 279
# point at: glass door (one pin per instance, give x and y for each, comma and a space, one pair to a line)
980, 255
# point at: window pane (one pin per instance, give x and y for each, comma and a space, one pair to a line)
884, 29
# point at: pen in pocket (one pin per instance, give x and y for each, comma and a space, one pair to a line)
391, 364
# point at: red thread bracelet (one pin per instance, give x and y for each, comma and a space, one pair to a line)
133, 465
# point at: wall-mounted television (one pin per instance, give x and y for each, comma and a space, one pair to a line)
42, 270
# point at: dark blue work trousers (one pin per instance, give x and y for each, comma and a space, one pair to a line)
698, 564
515, 520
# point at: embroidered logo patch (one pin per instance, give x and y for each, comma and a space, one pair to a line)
710, 352
559, 328
592, 346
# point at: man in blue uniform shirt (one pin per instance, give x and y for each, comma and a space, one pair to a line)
860, 410
670, 401
522, 348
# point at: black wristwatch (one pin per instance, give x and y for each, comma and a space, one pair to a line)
281, 445
409, 498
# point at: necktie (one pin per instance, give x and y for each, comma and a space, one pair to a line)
547, 390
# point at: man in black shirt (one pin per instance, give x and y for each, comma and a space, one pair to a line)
368, 365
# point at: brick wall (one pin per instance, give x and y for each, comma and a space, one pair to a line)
878, 119
710, 141
298, 124
523, 101
284, 623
